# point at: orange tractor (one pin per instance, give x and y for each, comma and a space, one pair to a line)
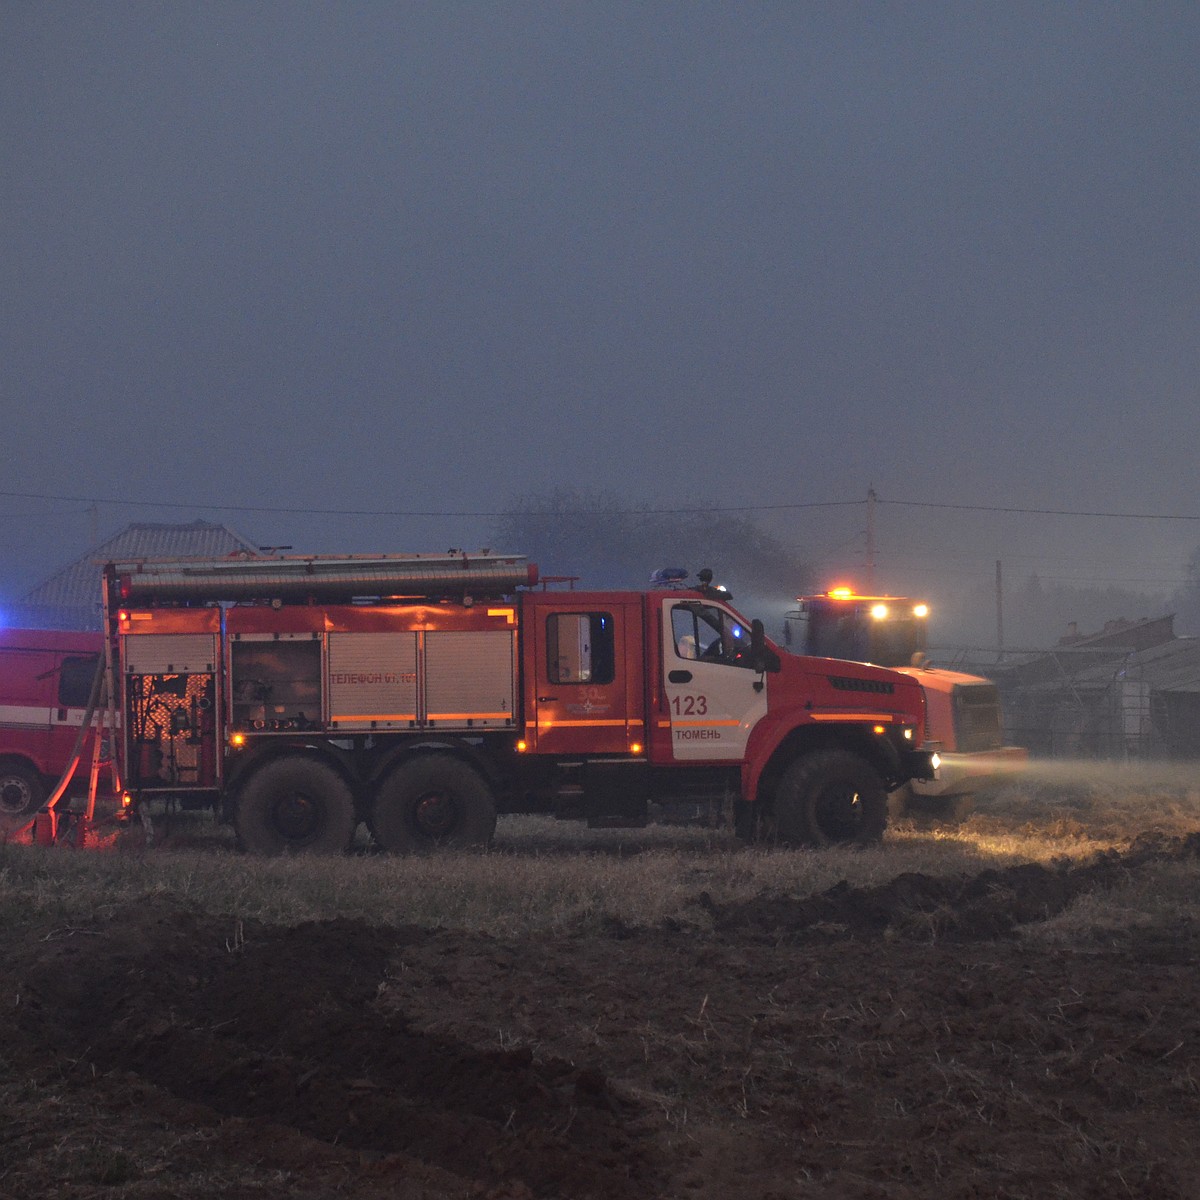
963, 719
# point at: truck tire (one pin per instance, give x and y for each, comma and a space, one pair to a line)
432, 802
295, 805
22, 793
831, 797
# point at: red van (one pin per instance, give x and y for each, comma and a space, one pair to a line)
45, 682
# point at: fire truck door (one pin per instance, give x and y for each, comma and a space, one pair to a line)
73, 688
712, 699
28, 678
586, 699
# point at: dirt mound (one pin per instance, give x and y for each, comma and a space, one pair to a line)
279, 1025
990, 904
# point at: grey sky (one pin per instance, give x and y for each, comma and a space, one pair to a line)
438, 256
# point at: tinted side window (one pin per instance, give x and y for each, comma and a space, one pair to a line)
580, 648
75, 680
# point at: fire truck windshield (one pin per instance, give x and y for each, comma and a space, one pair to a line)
850, 631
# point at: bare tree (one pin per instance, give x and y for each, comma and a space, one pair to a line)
606, 541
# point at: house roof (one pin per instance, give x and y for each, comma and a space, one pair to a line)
70, 598
1092, 659
1170, 667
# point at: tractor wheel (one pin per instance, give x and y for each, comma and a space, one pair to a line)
433, 802
831, 797
22, 793
297, 806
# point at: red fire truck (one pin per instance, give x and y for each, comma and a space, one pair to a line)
46, 682
422, 695
963, 719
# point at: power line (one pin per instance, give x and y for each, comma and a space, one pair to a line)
383, 512
121, 502
1044, 512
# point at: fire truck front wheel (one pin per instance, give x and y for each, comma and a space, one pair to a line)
22, 793
298, 806
830, 797
431, 802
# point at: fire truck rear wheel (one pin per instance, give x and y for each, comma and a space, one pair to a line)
433, 802
298, 806
22, 793
830, 797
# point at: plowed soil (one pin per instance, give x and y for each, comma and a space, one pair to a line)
907, 1040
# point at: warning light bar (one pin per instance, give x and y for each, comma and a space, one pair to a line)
881, 606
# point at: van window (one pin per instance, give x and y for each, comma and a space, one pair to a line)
580, 648
75, 680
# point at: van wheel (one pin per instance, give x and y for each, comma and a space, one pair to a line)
432, 802
831, 797
22, 793
295, 805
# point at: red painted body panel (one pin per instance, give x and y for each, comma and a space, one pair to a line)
40, 709
603, 714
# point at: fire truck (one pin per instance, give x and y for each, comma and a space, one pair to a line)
47, 682
963, 717
421, 695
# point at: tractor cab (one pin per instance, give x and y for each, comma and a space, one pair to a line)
889, 631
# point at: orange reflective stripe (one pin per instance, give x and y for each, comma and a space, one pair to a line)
853, 716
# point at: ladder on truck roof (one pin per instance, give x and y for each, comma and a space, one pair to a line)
330, 578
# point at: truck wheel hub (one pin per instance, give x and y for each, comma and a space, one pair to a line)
14, 796
435, 814
297, 817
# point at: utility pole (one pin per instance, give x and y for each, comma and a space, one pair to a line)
871, 498
999, 611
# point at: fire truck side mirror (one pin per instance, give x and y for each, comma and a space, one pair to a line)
761, 659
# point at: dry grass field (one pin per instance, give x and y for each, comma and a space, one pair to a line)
1004, 1007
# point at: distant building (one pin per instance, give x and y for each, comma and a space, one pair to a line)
70, 599
1131, 690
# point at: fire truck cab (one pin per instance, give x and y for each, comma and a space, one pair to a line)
422, 695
